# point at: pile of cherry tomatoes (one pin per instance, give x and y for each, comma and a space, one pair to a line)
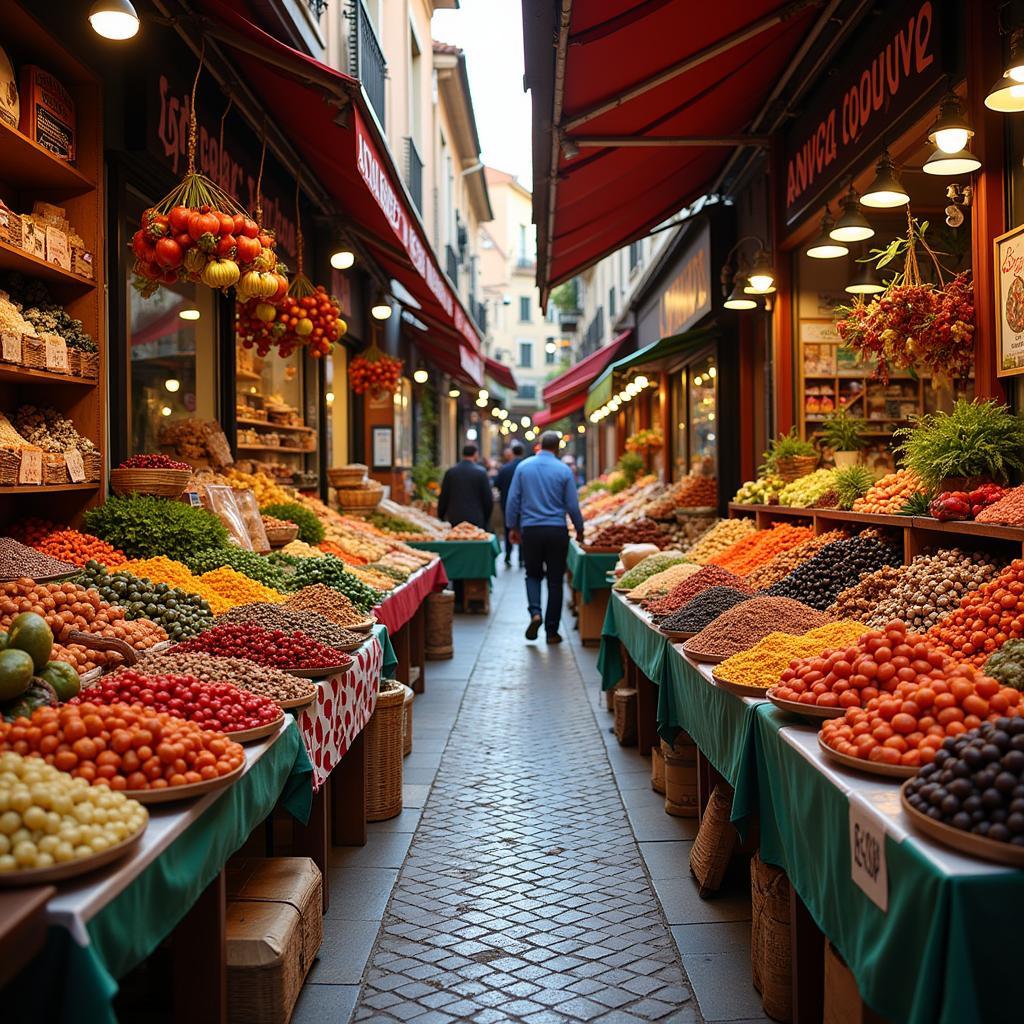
313, 320
378, 373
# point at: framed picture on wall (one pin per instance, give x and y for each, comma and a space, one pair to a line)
382, 448
1009, 284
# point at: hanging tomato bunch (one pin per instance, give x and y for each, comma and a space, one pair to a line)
374, 371
304, 315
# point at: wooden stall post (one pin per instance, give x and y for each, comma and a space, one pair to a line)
646, 705
400, 642
418, 648
807, 948
199, 946
347, 794
310, 840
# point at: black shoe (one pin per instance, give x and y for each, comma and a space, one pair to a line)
508, 563
554, 638
534, 627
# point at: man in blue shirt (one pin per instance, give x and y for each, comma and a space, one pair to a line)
542, 494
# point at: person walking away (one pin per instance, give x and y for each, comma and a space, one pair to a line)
465, 498
503, 483
542, 494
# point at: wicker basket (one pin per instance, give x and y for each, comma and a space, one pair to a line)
625, 716
770, 960
360, 497
384, 753
84, 364
715, 843
795, 467
347, 476
407, 721
680, 777
438, 626
10, 464
55, 469
164, 483
93, 463
279, 536
657, 770
33, 353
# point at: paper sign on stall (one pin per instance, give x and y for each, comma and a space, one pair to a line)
867, 856
56, 354
11, 347
76, 466
30, 470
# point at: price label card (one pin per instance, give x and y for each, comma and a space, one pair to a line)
867, 856
11, 347
76, 467
56, 354
58, 249
31, 469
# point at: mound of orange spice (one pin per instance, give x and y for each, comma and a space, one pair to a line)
760, 548
66, 544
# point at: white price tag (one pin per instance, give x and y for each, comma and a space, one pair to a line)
56, 354
30, 470
11, 344
76, 467
867, 856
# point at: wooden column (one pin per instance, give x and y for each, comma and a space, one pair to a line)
400, 642
807, 949
347, 790
782, 315
665, 423
200, 994
988, 216
310, 840
418, 647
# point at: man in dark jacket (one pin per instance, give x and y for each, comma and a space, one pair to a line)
466, 492
503, 483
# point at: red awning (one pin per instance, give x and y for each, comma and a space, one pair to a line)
641, 69
351, 161
559, 410
578, 378
457, 361
500, 374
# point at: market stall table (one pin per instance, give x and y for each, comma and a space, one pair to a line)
588, 571
472, 561
107, 922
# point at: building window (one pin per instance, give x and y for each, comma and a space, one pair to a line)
526, 354
636, 255
550, 356
611, 302
528, 391
524, 309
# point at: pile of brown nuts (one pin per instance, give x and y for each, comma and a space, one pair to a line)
275, 616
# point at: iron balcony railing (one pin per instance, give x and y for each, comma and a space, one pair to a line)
478, 311
366, 58
451, 258
593, 334
414, 173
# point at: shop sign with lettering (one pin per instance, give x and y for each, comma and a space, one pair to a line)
891, 68
687, 297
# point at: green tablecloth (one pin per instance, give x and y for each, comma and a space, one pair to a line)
73, 983
464, 559
589, 571
646, 646
387, 670
939, 955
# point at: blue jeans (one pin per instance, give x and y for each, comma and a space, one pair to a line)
544, 551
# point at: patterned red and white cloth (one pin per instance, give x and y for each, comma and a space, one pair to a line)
403, 602
342, 708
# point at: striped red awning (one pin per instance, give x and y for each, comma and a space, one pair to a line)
560, 410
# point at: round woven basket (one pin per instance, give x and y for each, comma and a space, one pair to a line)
681, 777
359, 497
347, 476
438, 626
793, 468
279, 536
163, 483
384, 753
407, 721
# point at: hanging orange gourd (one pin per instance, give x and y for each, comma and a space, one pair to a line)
199, 233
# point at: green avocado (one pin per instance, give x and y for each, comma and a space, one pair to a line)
15, 673
3, 640
63, 678
30, 633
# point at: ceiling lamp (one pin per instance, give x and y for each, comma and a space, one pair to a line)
114, 19
172, 384
421, 376
342, 259
865, 281
886, 191
454, 393
524, 420
550, 347
737, 300
941, 162
189, 313
825, 247
852, 225
1007, 95
481, 403
952, 131
761, 277
642, 381
381, 308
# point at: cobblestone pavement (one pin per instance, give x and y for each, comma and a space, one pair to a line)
524, 896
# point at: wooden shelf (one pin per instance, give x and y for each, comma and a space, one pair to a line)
14, 258
26, 375
27, 166
275, 426
247, 375
274, 448
46, 488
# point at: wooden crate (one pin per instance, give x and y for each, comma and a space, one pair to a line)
592, 614
476, 596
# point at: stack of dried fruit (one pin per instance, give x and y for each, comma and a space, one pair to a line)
761, 547
688, 588
890, 494
784, 563
720, 537
272, 647
66, 544
640, 531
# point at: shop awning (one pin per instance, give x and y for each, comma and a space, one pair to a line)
656, 357
578, 378
500, 374
559, 410
328, 122
615, 72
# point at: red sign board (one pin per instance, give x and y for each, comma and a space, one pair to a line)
891, 70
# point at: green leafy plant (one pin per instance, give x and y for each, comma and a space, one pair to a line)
976, 439
426, 473
143, 526
311, 530
785, 446
917, 504
631, 465
851, 483
842, 432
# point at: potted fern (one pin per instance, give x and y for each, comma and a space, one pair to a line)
790, 457
843, 434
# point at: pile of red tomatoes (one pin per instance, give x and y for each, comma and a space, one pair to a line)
376, 373
313, 320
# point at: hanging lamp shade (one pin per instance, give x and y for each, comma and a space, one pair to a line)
761, 278
737, 299
381, 308
825, 247
865, 281
1007, 95
886, 191
951, 131
964, 162
852, 225
114, 19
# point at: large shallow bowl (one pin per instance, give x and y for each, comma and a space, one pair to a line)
162, 483
860, 764
72, 869
192, 789
809, 711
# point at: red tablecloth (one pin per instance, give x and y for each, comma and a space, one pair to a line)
404, 602
343, 706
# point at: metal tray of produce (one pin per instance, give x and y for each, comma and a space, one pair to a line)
963, 842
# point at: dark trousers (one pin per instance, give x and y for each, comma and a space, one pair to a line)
544, 550
510, 547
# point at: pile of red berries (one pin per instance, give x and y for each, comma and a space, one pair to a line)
153, 462
273, 647
374, 372
216, 706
